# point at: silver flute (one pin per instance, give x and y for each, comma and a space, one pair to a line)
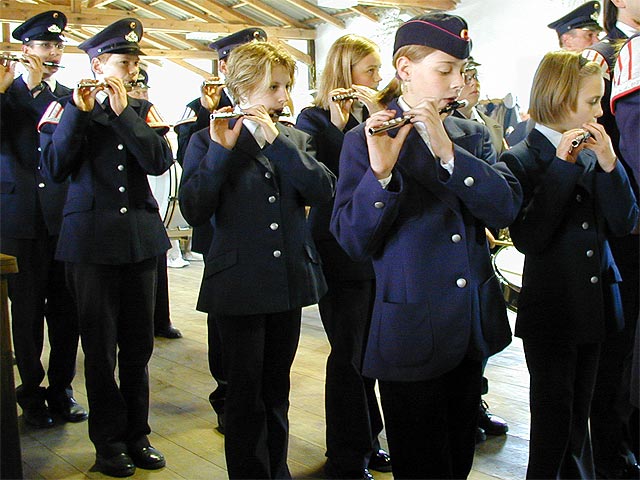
5, 57
228, 115
401, 121
575, 143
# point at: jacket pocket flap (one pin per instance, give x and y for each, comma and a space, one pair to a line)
7, 187
220, 262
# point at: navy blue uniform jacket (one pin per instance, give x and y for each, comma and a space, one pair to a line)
437, 298
110, 216
336, 263
31, 204
262, 258
570, 280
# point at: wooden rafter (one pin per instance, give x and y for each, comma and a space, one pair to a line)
10, 11
313, 10
272, 12
364, 12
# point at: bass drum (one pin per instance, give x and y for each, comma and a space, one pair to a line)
508, 263
165, 190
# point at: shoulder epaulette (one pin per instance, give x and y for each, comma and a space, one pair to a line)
189, 116
154, 120
597, 57
51, 115
626, 76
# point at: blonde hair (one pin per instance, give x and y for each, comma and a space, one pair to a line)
343, 55
415, 53
556, 85
249, 67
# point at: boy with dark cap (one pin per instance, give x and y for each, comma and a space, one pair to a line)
579, 28
30, 220
107, 143
195, 118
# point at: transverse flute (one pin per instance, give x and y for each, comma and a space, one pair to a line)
401, 121
341, 97
575, 143
98, 83
12, 58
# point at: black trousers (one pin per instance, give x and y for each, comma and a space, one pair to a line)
216, 365
614, 420
431, 424
352, 413
115, 309
562, 378
162, 314
38, 291
258, 353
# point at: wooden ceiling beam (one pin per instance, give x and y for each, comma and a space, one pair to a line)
224, 13
98, 3
364, 12
272, 12
295, 53
422, 4
313, 10
12, 12
186, 10
141, 6
190, 67
205, 7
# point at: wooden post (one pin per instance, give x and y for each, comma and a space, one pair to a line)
10, 454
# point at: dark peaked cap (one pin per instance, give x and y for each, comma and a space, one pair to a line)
119, 37
585, 16
224, 45
44, 26
442, 31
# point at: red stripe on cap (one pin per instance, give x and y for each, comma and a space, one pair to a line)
439, 28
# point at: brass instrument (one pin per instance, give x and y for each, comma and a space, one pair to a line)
99, 83
575, 143
212, 83
401, 121
341, 97
5, 57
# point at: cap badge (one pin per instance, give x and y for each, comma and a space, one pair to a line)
464, 34
54, 29
131, 37
55, 15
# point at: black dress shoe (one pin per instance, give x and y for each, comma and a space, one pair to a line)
119, 465
380, 461
220, 426
480, 435
37, 416
171, 332
148, 458
490, 423
68, 408
331, 472
621, 470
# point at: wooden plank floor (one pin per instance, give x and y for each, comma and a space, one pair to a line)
183, 423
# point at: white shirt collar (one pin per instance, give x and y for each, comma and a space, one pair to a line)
552, 135
254, 128
628, 30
